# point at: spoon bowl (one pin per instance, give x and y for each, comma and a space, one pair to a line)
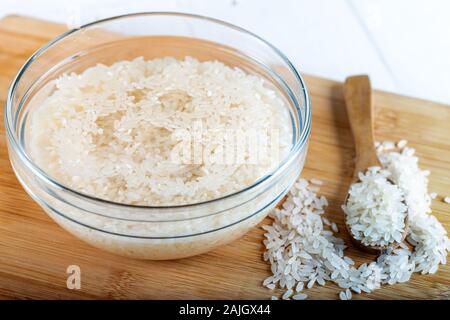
375, 249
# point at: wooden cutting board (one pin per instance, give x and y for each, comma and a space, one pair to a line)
35, 252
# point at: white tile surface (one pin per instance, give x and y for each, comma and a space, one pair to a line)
413, 37
404, 45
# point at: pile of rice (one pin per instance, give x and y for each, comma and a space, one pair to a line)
375, 209
112, 131
302, 252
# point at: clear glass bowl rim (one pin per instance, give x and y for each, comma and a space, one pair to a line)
17, 147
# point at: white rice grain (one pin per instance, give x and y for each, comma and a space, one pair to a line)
299, 286
124, 124
316, 181
348, 294
287, 294
402, 143
300, 296
375, 209
319, 255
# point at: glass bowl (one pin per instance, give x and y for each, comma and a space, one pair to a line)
155, 232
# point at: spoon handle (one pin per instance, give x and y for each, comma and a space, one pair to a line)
358, 101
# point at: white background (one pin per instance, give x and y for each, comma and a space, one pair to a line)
404, 45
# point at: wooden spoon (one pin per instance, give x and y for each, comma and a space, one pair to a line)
358, 100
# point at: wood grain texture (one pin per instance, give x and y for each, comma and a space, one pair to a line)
360, 111
35, 252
